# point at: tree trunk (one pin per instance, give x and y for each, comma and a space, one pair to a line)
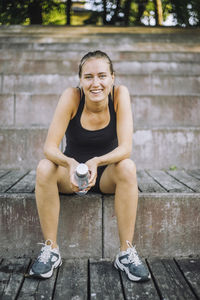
104, 12
141, 9
35, 12
68, 11
158, 12
127, 8
114, 18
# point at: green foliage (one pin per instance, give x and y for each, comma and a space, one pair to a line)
187, 13
173, 168
184, 12
55, 16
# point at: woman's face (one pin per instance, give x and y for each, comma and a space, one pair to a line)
96, 79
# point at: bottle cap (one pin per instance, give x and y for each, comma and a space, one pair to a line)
82, 170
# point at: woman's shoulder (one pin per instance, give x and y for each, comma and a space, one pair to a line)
121, 94
71, 93
70, 99
118, 89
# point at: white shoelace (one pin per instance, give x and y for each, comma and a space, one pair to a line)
133, 256
45, 252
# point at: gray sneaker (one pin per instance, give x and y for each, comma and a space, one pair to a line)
47, 261
130, 262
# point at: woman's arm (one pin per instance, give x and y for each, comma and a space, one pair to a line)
124, 128
65, 110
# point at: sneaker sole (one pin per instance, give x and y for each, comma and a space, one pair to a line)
121, 267
47, 275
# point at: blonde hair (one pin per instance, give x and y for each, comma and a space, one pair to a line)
95, 54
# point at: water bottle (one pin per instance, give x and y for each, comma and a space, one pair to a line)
82, 178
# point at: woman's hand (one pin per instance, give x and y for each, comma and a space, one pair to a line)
92, 166
72, 169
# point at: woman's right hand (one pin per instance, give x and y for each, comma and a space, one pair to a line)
72, 169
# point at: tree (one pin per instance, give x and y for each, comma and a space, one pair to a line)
141, 8
158, 12
16, 12
127, 7
186, 12
34, 11
68, 11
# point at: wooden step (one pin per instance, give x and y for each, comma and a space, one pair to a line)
167, 219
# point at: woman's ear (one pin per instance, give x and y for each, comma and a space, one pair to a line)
113, 77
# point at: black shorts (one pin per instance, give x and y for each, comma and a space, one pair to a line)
96, 187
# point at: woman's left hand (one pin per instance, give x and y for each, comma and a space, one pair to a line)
92, 166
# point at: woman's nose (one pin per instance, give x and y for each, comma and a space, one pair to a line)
95, 80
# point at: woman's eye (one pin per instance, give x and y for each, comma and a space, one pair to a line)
102, 76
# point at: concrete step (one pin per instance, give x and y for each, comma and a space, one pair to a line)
53, 33
74, 56
67, 67
148, 111
152, 148
167, 217
66, 45
151, 84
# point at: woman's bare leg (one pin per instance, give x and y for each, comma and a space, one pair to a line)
121, 179
49, 180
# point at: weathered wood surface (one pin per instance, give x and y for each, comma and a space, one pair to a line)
83, 279
186, 179
147, 184
10, 179
168, 182
194, 173
25, 185
169, 281
155, 181
191, 272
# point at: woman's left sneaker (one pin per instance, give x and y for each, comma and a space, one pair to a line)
130, 262
48, 259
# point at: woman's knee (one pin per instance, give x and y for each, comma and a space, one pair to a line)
46, 170
126, 170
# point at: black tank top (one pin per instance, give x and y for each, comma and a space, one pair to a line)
83, 144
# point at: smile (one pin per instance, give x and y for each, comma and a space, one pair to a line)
96, 91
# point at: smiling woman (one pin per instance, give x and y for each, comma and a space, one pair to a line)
97, 121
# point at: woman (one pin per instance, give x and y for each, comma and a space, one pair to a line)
97, 121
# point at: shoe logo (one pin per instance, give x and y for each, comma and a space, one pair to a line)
124, 261
54, 258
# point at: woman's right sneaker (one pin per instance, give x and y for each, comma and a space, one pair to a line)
130, 262
48, 259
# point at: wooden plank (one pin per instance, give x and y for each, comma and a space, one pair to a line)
168, 182
139, 290
191, 270
186, 179
72, 280
169, 280
35, 289
194, 173
11, 276
147, 184
10, 179
104, 281
3, 172
25, 185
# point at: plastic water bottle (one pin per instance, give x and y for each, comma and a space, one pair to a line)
82, 178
